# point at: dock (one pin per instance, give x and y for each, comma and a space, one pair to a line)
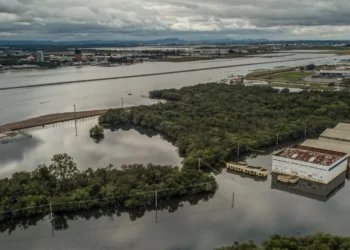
49, 119
246, 169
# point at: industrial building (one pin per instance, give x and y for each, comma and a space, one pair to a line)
309, 163
337, 139
334, 73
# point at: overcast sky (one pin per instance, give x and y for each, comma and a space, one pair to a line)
186, 19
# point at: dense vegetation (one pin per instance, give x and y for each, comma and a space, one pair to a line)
210, 120
312, 242
68, 189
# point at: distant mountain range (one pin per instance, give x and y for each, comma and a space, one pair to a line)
33, 44
166, 41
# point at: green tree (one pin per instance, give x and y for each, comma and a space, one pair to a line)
310, 67
63, 168
345, 84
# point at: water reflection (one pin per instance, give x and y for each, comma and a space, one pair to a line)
61, 221
313, 190
123, 145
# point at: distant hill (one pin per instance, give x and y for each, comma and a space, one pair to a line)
93, 43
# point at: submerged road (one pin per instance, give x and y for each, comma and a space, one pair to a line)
50, 119
152, 74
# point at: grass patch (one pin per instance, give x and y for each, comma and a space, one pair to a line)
291, 76
284, 85
338, 52
302, 86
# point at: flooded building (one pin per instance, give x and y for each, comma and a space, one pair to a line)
247, 170
309, 163
310, 189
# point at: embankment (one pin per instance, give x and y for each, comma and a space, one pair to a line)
49, 119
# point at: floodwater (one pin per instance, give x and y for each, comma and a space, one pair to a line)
124, 146
19, 104
241, 209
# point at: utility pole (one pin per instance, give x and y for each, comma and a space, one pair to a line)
156, 205
51, 217
277, 139
199, 164
305, 131
233, 192
122, 103
238, 152
75, 121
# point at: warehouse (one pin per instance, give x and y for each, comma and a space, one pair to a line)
337, 139
310, 163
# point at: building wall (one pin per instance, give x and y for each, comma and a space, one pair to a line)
307, 170
338, 168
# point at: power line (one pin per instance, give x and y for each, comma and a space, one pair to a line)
149, 193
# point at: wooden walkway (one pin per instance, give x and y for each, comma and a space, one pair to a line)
50, 119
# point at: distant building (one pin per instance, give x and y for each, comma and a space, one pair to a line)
334, 73
78, 55
30, 58
39, 56
309, 163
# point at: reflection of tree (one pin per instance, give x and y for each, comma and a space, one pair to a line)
142, 130
97, 138
12, 224
61, 221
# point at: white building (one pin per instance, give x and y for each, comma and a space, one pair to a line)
310, 163
39, 56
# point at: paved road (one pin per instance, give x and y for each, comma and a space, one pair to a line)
153, 74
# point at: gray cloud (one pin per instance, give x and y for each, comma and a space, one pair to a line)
125, 19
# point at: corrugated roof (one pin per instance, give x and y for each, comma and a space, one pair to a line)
336, 134
340, 146
312, 155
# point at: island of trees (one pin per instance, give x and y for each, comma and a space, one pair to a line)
312, 242
212, 121
69, 189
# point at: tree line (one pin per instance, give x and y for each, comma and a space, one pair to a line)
70, 189
211, 121
311, 242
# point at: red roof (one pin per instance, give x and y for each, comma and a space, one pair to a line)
312, 155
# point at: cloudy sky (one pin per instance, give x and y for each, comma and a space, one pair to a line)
186, 19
